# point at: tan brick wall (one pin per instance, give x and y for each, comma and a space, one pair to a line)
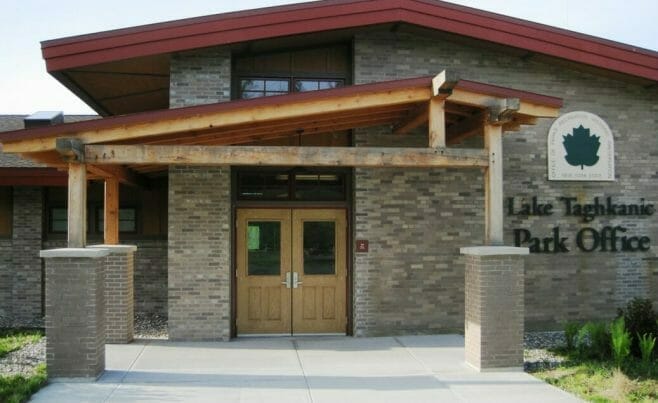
494, 311
199, 253
200, 77
579, 285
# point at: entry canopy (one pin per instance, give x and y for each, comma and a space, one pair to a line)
404, 105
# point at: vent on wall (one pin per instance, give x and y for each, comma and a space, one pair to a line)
43, 118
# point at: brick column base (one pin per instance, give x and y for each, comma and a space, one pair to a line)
119, 293
75, 312
494, 307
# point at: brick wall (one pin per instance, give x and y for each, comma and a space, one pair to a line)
150, 273
412, 279
200, 77
199, 253
578, 285
6, 275
150, 276
26, 264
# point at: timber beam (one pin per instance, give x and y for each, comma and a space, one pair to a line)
285, 156
72, 151
122, 174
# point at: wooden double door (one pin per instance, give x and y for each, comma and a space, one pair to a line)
291, 271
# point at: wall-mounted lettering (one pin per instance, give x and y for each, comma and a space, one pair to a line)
589, 239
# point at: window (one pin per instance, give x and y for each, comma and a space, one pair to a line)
58, 219
264, 87
314, 85
296, 184
127, 220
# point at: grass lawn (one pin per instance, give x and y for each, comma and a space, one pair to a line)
18, 388
602, 382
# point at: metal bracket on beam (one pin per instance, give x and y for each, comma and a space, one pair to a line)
71, 149
443, 83
503, 110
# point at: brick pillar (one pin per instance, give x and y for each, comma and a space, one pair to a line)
199, 274
119, 293
75, 312
494, 307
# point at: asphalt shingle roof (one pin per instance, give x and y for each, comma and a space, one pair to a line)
15, 122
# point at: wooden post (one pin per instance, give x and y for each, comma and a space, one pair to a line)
493, 185
77, 206
111, 212
437, 123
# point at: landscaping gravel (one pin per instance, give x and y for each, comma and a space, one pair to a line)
151, 327
23, 361
536, 355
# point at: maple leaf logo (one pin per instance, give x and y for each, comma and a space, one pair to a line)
581, 147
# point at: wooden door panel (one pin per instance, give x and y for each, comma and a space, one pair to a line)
319, 302
263, 302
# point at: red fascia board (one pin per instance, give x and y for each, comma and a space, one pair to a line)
503, 92
32, 177
331, 15
199, 110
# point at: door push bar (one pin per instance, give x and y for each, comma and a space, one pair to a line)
292, 280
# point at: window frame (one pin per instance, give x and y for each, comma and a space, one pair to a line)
99, 217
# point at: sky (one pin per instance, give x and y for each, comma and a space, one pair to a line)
26, 87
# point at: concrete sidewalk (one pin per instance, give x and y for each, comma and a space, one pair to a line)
317, 369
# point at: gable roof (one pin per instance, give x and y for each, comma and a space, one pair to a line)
230, 28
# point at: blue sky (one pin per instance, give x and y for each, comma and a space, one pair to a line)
26, 87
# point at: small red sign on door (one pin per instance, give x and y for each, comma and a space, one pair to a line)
361, 245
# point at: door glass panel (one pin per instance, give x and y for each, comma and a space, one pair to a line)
264, 248
319, 247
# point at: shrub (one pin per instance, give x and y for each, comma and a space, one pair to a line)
620, 341
570, 333
640, 319
593, 340
647, 343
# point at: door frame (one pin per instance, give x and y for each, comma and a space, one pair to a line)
346, 205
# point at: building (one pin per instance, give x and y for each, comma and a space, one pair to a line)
316, 168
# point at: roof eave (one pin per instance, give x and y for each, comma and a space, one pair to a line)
225, 29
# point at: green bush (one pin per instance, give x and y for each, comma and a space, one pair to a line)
640, 319
620, 341
647, 343
593, 341
570, 333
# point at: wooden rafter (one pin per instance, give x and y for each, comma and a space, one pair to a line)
466, 128
285, 156
237, 116
415, 119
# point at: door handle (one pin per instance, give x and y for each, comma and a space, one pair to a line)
295, 280
288, 281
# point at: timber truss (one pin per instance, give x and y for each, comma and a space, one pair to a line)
129, 148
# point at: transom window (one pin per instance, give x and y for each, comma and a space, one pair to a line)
291, 185
263, 87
